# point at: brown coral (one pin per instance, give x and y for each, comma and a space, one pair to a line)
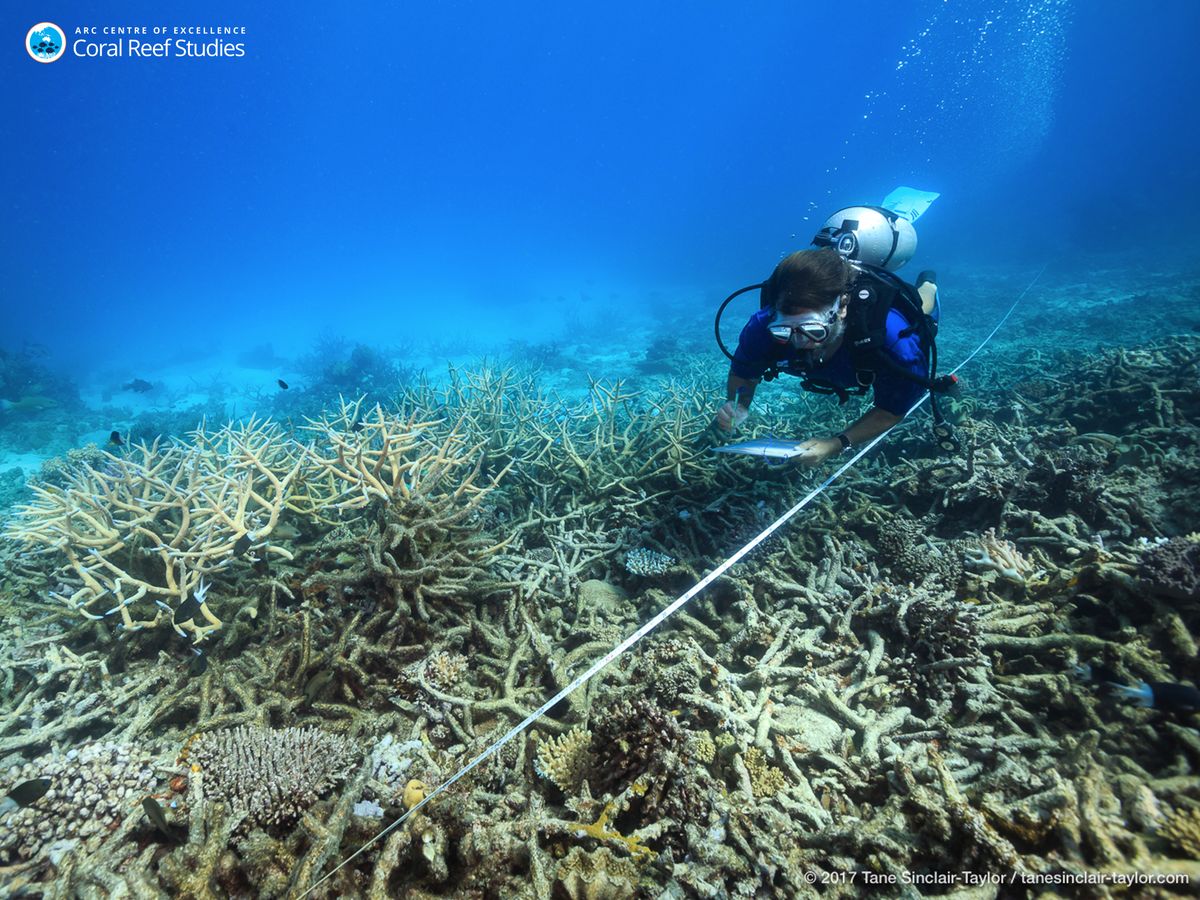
564, 759
765, 780
598, 875
1182, 832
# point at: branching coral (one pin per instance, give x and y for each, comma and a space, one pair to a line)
994, 554
833, 704
565, 759
600, 830
143, 530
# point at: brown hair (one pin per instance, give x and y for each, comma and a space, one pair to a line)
807, 279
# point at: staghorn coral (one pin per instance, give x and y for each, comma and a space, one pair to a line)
601, 830
565, 759
425, 478
994, 554
133, 532
801, 655
272, 774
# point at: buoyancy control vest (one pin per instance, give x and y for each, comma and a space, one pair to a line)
874, 293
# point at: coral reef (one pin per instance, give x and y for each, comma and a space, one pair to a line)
1171, 567
1182, 831
139, 531
890, 688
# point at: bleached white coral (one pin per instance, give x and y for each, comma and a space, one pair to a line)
995, 554
641, 561
391, 760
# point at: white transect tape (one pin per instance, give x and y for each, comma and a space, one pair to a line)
653, 623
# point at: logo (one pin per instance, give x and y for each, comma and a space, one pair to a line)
45, 42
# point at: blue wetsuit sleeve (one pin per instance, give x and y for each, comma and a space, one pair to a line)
894, 393
753, 353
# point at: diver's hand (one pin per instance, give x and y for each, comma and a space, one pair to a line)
730, 416
815, 451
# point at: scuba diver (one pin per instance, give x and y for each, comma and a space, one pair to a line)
838, 317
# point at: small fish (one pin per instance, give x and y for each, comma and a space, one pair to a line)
154, 812
116, 440
286, 531
242, 544
190, 607
1097, 673
187, 611
140, 385
357, 426
317, 684
282, 384
1164, 695
28, 792
199, 665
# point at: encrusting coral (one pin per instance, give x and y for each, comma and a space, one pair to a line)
1171, 567
93, 790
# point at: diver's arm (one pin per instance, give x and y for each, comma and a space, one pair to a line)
740, 389
873, 424
870, 426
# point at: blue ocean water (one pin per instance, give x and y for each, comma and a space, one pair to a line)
455, 176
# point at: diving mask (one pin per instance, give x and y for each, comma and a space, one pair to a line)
816, 329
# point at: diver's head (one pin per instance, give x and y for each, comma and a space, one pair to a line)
871, 235
808, 293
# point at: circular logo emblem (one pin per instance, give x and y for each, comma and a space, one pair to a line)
45, 42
